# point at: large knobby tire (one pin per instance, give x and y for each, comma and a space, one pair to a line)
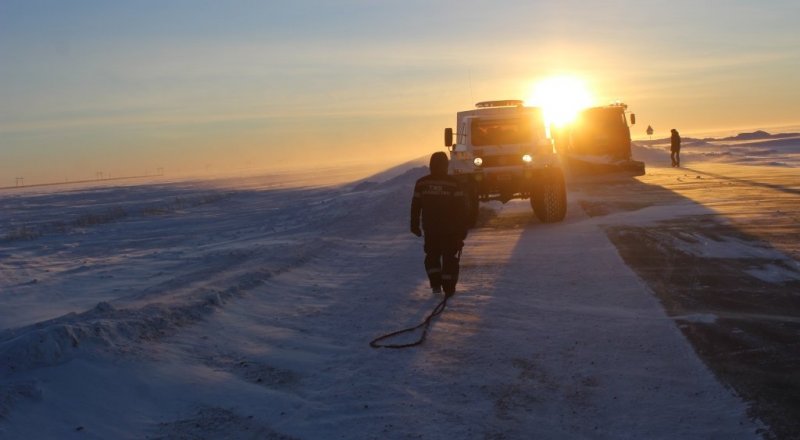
549, 197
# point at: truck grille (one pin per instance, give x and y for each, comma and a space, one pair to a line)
503, 160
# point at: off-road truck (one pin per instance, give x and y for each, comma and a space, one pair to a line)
500, 151
598, 142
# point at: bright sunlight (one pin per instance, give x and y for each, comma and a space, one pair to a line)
560, 97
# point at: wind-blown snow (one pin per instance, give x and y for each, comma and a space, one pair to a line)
758, 148
245, 310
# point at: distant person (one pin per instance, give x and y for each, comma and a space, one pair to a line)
675, 148
440, 201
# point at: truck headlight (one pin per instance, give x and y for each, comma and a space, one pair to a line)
477, 161
527, 158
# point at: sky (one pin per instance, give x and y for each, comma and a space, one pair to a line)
126, 88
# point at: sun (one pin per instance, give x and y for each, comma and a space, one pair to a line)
560, 98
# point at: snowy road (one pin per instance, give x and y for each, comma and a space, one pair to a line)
247, 314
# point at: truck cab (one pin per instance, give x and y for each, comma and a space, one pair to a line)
500, 151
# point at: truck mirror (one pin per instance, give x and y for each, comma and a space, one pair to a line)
633, 119
448, 137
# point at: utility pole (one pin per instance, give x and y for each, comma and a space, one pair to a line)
20, 181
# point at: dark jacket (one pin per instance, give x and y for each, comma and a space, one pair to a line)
441, 202
675, 141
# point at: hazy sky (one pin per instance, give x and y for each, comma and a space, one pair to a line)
126, 87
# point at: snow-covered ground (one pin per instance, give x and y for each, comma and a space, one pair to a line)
756, 148
244, 309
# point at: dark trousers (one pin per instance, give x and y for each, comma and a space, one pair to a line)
675, 155
441, 260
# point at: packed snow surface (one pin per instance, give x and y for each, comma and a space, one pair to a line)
243, 309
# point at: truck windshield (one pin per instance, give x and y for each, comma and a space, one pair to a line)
604, 119
502, 131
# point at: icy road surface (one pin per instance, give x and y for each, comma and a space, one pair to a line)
190, 311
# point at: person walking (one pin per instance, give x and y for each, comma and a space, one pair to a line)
675, 148
440, 202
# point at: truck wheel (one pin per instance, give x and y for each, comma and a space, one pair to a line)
549, 197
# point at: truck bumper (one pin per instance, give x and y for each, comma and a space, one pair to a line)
508, 183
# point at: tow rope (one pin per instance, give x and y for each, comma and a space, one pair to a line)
425, 325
